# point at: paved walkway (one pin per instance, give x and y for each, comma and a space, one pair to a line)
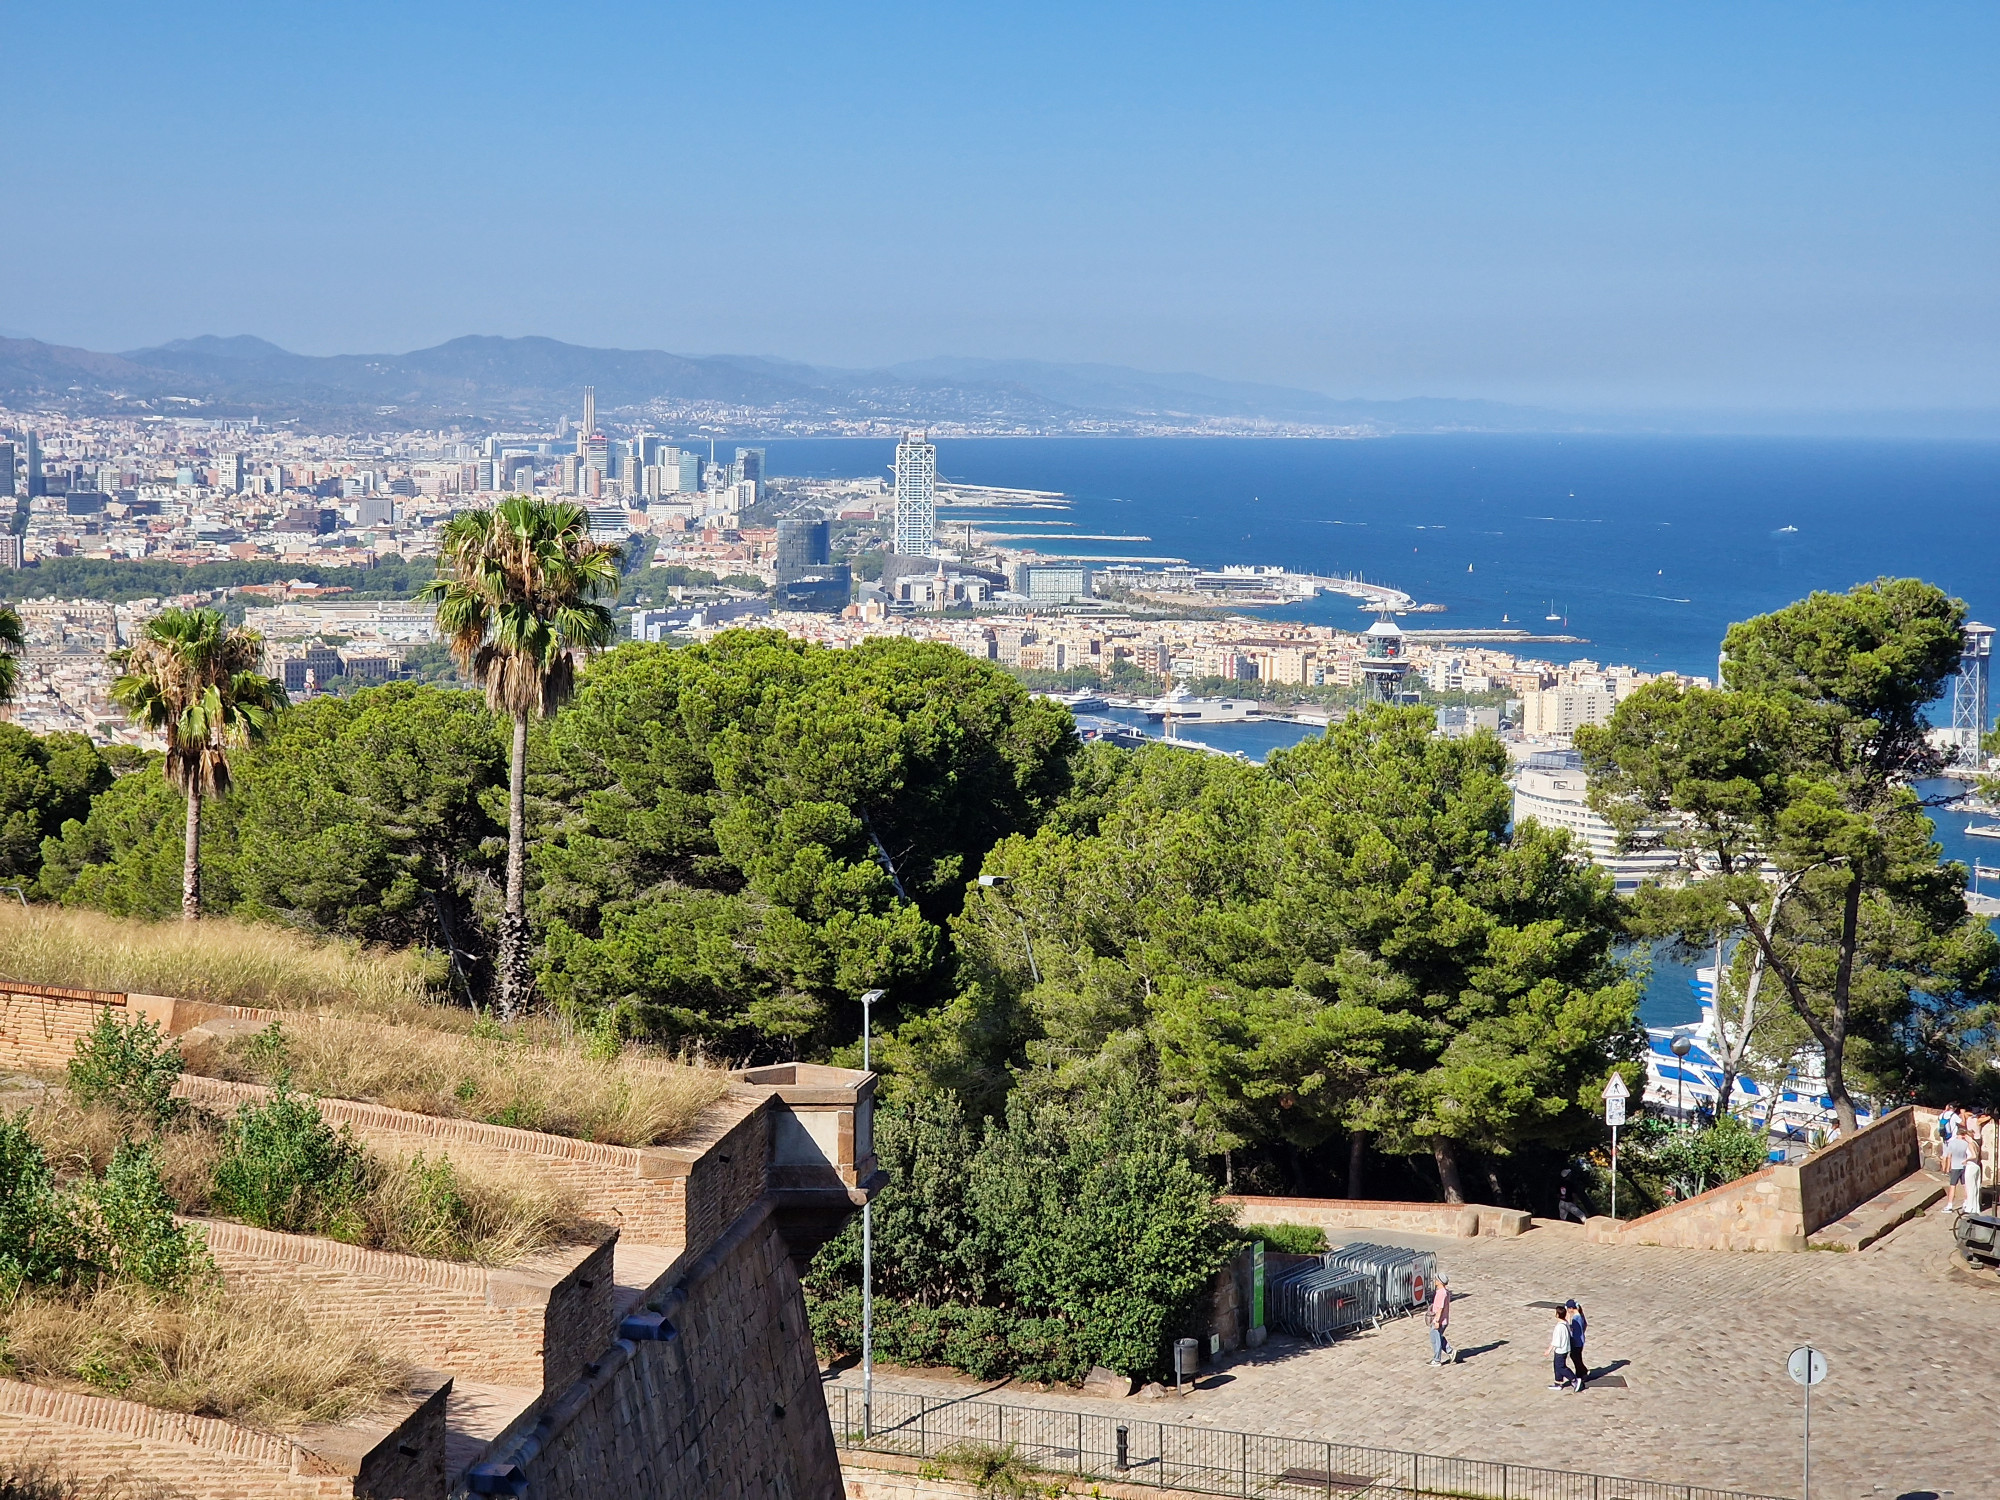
1700, 1339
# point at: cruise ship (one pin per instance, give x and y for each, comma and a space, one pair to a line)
1793, 1115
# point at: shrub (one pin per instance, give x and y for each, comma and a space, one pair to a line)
130, 1065
119, 1227
132, 1231
283, 1167
1287, 1239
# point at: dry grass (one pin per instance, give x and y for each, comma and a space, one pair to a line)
230, 963
33, 1478
251, 1357
438, 1209
534, 1078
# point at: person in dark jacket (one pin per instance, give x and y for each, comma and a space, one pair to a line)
1577, 1327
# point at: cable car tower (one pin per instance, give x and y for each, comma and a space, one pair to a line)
1969, 712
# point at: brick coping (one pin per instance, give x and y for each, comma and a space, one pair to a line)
129, 1418
444, 1275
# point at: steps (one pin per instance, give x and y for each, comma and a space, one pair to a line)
1891, 1207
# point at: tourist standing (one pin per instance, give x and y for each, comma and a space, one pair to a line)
1955, 1153
1440, 1318
1973, 1130
1578, 1326
1559, 1350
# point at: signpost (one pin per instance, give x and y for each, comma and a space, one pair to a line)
1615, 1095
1807, 1367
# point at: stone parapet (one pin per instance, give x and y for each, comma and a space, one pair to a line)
1461, 1220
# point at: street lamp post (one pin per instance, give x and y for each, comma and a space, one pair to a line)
1682, 1046
868, 999
993, 883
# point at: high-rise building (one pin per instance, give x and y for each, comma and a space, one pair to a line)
36, 484
916, 494
10, 550
229, 473
803, 545
7, 475
750, 464
589, 418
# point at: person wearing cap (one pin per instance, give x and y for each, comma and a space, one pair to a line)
1439, 1319
1559, 1350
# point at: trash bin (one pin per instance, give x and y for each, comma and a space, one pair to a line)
1187, 1359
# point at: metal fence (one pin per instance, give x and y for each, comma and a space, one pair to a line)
1208, 1461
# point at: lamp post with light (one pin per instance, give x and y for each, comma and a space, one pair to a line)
868, 999
1682, 1046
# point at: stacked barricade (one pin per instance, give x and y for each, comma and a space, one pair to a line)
1404, 1279
1317, 1302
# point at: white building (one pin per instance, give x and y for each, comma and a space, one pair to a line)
916, 495
1552, 789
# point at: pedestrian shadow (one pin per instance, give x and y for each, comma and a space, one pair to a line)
1478, 1349
1918, 1495
1598, 1372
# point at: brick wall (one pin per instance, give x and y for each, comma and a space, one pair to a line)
641, 1191
40, 1024
497, 1326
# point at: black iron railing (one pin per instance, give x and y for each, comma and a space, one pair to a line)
1208, 1461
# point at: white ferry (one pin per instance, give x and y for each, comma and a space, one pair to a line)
1793, 1115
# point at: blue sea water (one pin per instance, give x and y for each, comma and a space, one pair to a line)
1648, 547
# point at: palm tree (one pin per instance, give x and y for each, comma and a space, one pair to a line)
515, 590
11, 641
193, 679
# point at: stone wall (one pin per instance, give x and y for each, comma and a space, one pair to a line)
1775, 1209
729, 1405
1463, 1220
1836, 1181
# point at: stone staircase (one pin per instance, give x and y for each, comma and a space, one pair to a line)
1874, 1219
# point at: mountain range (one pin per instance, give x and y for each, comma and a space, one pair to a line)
483, 381
480, 379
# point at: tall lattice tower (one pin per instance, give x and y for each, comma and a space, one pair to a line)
916, 495
1970, 715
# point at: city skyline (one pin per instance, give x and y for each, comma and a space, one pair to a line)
1785, 208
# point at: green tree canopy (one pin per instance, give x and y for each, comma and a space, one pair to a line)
1788, 796
739, 836
45, 780
1349, 940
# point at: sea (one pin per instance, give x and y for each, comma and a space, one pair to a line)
1647, 547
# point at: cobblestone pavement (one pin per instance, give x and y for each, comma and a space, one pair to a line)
1700, 1338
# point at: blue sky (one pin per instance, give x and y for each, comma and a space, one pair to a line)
1753, 206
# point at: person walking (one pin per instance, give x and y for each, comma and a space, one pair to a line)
1578, 1325
1567, 1207
1559, 1350
1439, 1319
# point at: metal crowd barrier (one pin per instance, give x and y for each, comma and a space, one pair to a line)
1317, 1302
1183, 1456
1407, 1277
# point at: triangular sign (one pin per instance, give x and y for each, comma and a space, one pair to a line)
1616, 1088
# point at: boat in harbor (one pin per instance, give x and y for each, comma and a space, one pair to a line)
1983, 831
1793, 1114
1182, 707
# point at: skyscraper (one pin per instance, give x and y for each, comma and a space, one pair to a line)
589, 419
916, 494
36, 485
7, 475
